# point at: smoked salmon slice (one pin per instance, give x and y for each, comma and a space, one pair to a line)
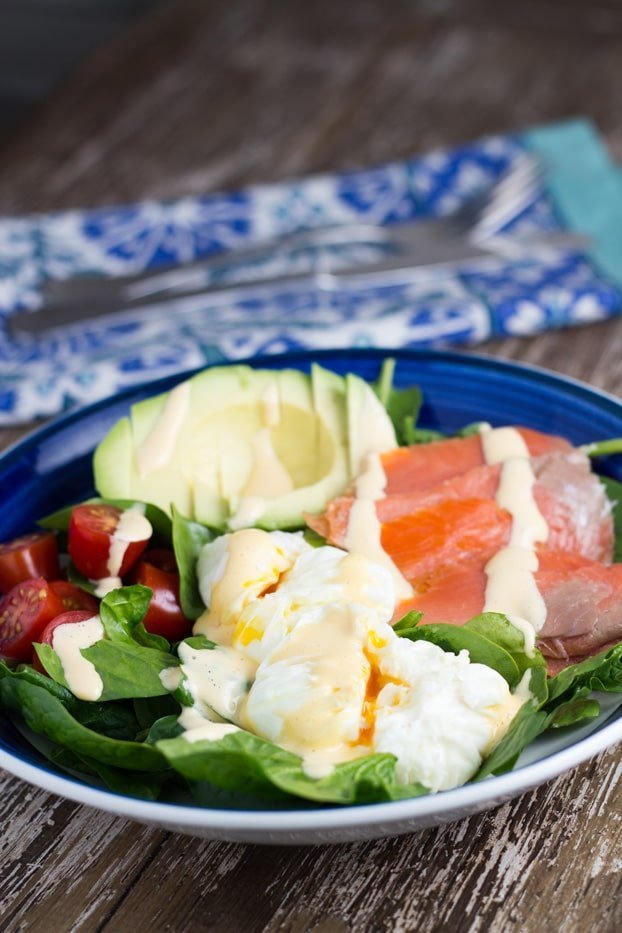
453, 531
440, 524
423, 466
458, 519
583, 601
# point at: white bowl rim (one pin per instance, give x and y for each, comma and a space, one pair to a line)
494, 789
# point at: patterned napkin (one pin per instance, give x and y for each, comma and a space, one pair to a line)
42, 376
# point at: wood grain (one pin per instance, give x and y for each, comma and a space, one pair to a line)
201, 96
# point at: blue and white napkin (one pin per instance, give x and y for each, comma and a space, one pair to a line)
43, 376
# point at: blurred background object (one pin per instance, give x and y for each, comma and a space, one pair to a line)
196, 100
41, 41
207, 95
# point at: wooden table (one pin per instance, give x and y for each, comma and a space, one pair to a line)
201, 96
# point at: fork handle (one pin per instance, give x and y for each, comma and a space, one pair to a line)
144, 285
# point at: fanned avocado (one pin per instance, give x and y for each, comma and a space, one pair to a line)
235, 446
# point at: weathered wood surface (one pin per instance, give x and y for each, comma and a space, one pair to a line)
208, 95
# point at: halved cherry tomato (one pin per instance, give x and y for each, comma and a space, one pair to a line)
157, 569
91, 530
74, 615
73, 597
32, 555
24, 613
46, 636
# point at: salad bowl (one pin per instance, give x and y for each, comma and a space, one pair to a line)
53, 467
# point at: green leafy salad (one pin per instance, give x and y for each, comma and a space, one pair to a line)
288, 593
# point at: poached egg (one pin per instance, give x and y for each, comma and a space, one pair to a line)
306, 658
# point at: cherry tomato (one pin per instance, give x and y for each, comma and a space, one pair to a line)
32, 555
162, 559
91, 529
73, 597
74, 615
46, 636
24, 613
157, 569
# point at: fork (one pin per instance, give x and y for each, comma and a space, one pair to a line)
422, 242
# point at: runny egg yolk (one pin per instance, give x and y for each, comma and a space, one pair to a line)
375, 683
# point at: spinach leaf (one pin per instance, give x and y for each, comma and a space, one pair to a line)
31, 676
244, 762
568, 703
384, 384
601, 672
475, 427
52, 663
129, 659
116, 720
59, 520
200, 643
497, 628
528, 723
148, 710
182, 693
313, 538
159, 520
576, 710
46, 715
614, 494
122, 612
408, 622
425, 436
456, 638
188, 539
129, 671
604, 448
167, 727
147, 786
78, 579
402, 405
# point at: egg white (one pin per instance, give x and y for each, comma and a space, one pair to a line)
321, 671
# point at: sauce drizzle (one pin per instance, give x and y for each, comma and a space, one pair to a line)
68, 641
133, 526
511, 587
157, 449
364, 529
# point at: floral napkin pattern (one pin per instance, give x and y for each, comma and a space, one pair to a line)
43, 376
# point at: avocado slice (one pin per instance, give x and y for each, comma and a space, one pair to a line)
370, 428
236, 446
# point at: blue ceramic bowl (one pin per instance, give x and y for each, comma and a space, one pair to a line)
52, 468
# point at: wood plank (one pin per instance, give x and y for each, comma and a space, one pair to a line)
61, 860
503, 861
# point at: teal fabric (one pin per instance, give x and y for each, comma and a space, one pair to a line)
585, 185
